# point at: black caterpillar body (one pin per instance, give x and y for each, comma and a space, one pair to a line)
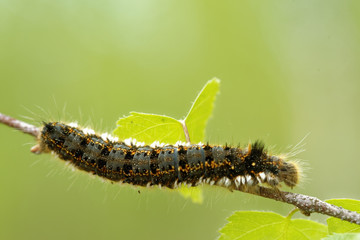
168, 165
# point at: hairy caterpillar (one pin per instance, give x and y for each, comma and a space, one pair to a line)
169, 165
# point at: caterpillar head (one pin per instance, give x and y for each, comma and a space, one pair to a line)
289, 173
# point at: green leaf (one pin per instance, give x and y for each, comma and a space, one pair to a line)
339, 226
194, 193
201, 111
268, 225
149, 128
343, 236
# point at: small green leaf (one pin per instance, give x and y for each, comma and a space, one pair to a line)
268, 225
194, 193
149, 128
339, 226
201, 110
343, 236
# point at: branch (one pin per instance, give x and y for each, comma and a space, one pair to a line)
306, 204
20, 125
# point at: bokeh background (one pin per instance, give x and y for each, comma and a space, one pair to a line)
288, 68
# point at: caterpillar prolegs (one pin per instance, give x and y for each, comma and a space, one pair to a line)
167, 165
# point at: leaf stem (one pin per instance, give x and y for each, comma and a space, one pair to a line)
186, 132
289, 216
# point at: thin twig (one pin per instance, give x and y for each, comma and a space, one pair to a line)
20, 125
306, 204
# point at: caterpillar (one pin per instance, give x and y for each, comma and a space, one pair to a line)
170, 166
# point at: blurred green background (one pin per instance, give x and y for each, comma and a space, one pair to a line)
288, 68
